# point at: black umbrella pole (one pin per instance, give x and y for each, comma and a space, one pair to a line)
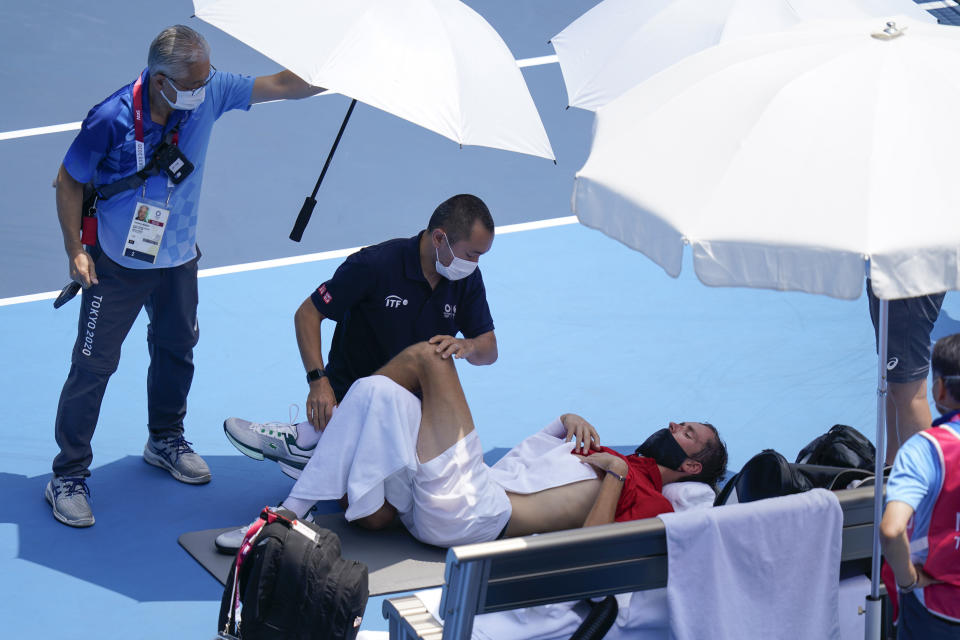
311, 201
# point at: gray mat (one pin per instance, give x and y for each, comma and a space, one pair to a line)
397, 562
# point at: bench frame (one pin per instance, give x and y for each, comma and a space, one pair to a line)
572, 565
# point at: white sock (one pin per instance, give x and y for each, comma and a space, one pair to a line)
307, 435
298, 506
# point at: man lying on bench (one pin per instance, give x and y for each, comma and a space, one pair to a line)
390, 453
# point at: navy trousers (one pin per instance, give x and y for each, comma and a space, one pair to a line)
108, 311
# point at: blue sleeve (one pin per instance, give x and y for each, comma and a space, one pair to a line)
230, 91
473, 313
915, 472
98, 134
351, 282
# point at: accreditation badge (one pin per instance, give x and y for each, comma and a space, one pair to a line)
146, 231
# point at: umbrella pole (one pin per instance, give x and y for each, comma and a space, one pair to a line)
873, 621
311, 201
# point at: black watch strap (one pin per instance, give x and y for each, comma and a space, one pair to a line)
316, 374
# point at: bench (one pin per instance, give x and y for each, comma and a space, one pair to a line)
571, 565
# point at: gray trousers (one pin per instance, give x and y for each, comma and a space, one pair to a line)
108, 311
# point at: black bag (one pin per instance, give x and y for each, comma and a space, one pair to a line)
842, 446
769, 475
294, 585
766, 475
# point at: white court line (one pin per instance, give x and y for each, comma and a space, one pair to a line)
75, 126
310, 257
536, 62
39, 131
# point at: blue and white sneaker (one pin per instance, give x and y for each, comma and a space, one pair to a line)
275, 441
175, 455
70, 499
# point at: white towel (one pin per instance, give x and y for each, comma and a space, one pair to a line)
374, 434
764, 569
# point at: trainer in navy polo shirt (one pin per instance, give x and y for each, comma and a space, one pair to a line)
381, 309
390, 296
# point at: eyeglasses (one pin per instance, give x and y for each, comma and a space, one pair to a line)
213, 72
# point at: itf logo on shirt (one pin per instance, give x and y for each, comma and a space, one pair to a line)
449, 311
394, 302
322, 290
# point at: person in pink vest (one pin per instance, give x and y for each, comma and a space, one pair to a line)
920, 530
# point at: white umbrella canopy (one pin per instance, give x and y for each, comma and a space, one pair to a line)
620, 43
436, 63
788, 161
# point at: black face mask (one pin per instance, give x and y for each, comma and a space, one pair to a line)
663, 448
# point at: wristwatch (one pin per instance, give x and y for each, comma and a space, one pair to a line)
315, 374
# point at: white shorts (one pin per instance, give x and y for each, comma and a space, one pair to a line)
455, 500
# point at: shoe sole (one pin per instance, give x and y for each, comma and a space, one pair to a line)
78, 524
288, 466
256, 454
158, 461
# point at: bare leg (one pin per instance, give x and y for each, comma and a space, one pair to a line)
908, 412
379, 519
445, 418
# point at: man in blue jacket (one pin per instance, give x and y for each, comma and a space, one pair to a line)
143, 149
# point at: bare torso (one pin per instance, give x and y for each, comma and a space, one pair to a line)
563, 507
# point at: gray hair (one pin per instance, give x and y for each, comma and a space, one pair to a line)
175, 49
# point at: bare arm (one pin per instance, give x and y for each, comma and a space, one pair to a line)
479, 351
285, 85
69, 204
484, 350
604, 510
320, 399
896, 545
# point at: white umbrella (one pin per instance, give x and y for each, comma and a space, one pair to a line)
436, 63
792, 162
620, 43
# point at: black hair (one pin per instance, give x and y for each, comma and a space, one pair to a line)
945, 363
457, 215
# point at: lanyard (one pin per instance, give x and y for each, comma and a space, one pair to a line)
138, 134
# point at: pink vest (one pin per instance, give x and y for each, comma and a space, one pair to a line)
943, 536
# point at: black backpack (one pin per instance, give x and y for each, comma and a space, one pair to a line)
769, 475
292, 584
842, 446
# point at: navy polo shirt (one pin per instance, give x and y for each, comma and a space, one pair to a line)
382, 304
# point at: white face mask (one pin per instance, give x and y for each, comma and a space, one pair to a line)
186, 100
458, 268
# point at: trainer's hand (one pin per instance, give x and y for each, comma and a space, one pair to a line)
82, 269
457, 347
320, 403
582, 433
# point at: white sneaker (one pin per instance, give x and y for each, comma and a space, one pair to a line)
229, 542
275, 441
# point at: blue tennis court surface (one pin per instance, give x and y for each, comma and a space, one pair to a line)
583, 323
